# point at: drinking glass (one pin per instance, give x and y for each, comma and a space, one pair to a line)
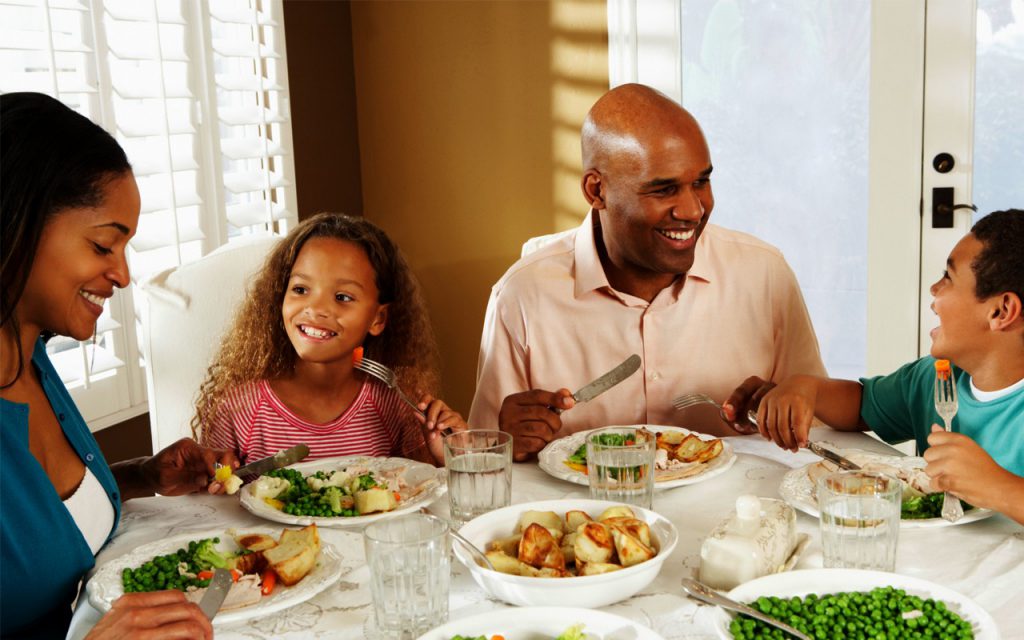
408, 557
860, 519
479, 466
620, 466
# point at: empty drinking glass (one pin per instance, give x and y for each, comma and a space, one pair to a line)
620, 465
408, 557
860, 519
479, 466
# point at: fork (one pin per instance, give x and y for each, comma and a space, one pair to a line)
946, 406
387, 376
692, 399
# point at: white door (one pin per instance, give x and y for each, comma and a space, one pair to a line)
823, 120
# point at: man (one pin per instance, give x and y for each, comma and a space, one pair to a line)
703, 306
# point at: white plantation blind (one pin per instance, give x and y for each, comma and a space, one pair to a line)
196, 92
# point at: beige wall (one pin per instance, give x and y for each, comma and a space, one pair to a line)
468, 118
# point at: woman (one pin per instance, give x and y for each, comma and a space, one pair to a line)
70, 204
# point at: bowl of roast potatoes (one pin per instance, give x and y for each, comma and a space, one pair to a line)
577, 553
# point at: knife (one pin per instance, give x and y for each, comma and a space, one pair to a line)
628, 367
832, 456
215, 593
280, 459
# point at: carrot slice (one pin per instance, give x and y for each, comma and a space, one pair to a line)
268, 581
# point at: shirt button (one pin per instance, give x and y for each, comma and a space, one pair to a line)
89, 457
655, 375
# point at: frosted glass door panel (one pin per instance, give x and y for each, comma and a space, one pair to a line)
999, 107
781, 90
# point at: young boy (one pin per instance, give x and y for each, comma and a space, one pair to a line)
981, 331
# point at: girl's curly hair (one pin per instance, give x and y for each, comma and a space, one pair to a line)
256, 346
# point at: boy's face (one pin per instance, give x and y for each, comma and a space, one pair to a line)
963, 319
331, 301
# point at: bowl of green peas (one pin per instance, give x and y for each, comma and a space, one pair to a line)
854, 604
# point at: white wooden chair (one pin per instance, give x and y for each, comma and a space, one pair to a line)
185, 311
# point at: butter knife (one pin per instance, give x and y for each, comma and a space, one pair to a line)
704, 593
832, 456
280, 459
590, 391
215, 593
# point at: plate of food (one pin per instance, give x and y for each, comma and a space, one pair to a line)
349, 491
683, 457
542, 623
910, 604
273, 568
922, 507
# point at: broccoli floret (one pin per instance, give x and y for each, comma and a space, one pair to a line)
366, 481
205, 556
332, 495
574, 632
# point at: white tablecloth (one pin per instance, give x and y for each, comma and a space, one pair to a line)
983, 560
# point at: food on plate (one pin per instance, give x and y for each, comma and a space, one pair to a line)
678, 454
547, 546
256, 565
884, 612
226, 476
353, 491
574, 632
919, 501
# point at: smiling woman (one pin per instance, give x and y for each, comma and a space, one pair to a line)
69, 207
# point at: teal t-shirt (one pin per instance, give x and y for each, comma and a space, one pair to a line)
901, 406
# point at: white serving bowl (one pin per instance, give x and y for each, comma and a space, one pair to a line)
579, 591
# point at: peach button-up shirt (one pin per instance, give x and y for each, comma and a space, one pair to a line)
553, 321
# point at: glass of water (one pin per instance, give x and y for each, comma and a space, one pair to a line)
409, 574
620, 465
479, 466
860, 519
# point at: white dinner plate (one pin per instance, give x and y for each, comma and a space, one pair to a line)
424, 480
798, 490
552, 458
106, 586
543, 623
825, 581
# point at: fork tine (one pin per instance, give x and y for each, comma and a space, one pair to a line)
377, 370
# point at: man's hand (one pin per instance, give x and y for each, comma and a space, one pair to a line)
185, 467
158, 615
745, 398
439, 416
959, 465
530, 418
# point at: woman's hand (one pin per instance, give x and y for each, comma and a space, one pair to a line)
152, 616
439, 417
185, 467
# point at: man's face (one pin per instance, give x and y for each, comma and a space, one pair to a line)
963, 319
657, 200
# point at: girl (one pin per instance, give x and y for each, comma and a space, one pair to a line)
334, 287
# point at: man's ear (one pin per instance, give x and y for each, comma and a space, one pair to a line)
379, 321
1005, 312
593, 189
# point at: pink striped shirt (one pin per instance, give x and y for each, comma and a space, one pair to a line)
255, 424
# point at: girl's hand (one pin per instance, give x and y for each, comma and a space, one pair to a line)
439, 418
152, 616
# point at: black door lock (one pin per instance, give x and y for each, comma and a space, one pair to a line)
943, 207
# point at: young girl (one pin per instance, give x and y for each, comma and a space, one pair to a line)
285, 372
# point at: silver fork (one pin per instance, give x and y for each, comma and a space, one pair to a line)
692, 399
387, 376
946, 406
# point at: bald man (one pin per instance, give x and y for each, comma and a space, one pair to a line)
703, 306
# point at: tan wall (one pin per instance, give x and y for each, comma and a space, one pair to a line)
468, 116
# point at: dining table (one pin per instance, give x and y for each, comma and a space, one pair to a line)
983, 559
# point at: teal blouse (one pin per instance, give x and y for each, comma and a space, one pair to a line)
43, 554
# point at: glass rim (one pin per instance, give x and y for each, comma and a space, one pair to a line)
504, 436
639, 443
387, 522
892, 483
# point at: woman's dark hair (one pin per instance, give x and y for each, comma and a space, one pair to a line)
999, 266
51, 159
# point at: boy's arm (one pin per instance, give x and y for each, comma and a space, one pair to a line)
785, 412
958, 464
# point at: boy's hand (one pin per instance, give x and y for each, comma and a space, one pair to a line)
528, 417
439, 417
785, 413
959, 465
745, 398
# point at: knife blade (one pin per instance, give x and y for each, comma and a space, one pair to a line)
280, 459
590, 391
215, 593
832, 456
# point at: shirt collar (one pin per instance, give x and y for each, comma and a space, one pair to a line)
590, 275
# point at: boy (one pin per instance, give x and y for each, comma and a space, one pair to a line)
978, 301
